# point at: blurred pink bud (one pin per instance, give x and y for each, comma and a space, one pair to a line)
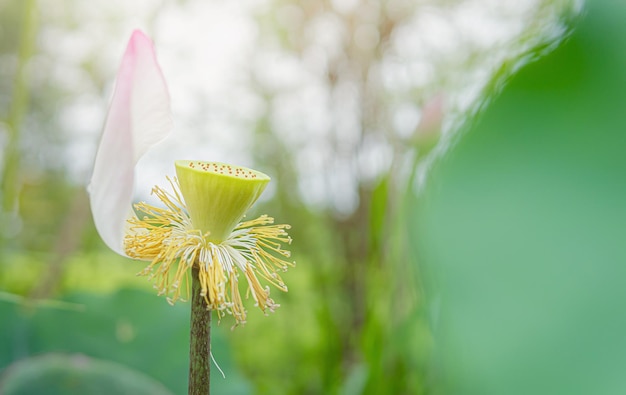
428, 130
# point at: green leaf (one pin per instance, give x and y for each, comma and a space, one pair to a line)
60, 374
131, 327
521, 230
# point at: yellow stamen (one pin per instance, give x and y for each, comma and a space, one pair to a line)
167, 238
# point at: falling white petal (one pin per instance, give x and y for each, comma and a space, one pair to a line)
139, 117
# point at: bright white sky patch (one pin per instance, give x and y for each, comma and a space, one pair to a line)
216, 56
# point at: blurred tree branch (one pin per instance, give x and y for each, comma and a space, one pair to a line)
68, 241
18, 108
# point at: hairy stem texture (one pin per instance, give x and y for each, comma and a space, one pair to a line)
200, 341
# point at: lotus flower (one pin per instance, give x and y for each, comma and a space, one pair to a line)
198, 225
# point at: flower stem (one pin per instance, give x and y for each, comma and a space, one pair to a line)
200, 341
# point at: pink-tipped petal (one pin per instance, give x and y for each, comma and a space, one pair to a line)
139, 117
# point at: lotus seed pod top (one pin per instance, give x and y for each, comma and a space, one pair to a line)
218, 195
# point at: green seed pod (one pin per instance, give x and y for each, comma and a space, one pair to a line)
217, 195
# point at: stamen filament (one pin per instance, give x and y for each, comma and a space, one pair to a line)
167, 238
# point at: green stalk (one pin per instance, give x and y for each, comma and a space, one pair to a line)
200, 341
9, 182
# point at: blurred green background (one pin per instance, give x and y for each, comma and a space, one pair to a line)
522, 229
452, 171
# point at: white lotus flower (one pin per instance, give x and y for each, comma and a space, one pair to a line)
198, 227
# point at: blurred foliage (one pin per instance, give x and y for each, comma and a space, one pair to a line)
521, 229
56, 374
355, 320
129, 327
